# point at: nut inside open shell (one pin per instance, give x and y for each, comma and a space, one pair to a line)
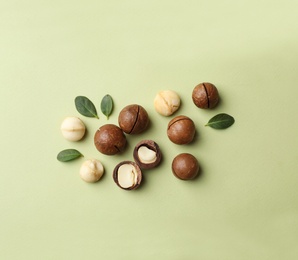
147, 154
127, 175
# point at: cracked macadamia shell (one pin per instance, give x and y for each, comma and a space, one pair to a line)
181, 130
109, 139
166, 102
133, 119
185, 166
147, 154
91, 170
127, 175
73, 128
205, 95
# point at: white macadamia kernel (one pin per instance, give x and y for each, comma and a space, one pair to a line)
73, 129
166, 102
127, 176
146, 155
91, 170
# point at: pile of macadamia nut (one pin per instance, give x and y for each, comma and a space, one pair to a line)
181, 129
110, 139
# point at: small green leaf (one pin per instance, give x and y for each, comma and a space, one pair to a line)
85, 107
68, 155
221, 121
106, 105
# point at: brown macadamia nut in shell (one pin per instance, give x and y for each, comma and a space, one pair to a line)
181, 130
133, 119
109, 139
185, 166
205, 95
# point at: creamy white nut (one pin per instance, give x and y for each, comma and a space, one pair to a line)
146, 155
73, 128
91, 170
166, 102
127, 176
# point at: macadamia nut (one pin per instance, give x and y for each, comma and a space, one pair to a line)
181, 130
205, 95
146, 155
127, 175
166, 102
73, 129
185, 166
109, 139
133, 119
91, 170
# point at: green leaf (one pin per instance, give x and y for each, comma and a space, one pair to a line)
85, 107
68, 155
106, 105
221, 121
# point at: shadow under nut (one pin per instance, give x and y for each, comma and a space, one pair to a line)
109, 139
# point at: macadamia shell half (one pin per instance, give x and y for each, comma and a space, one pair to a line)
147, 154
127, 175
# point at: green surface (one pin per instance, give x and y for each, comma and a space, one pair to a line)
245, 203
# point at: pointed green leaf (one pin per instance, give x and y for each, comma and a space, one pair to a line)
68, 155
85, 107
221, 121
106, 105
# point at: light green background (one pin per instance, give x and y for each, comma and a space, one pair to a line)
243, 206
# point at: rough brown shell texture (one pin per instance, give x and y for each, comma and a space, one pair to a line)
139, 175
205, 95
150, 144
181, 130
109, 139
133, 119
185, 166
